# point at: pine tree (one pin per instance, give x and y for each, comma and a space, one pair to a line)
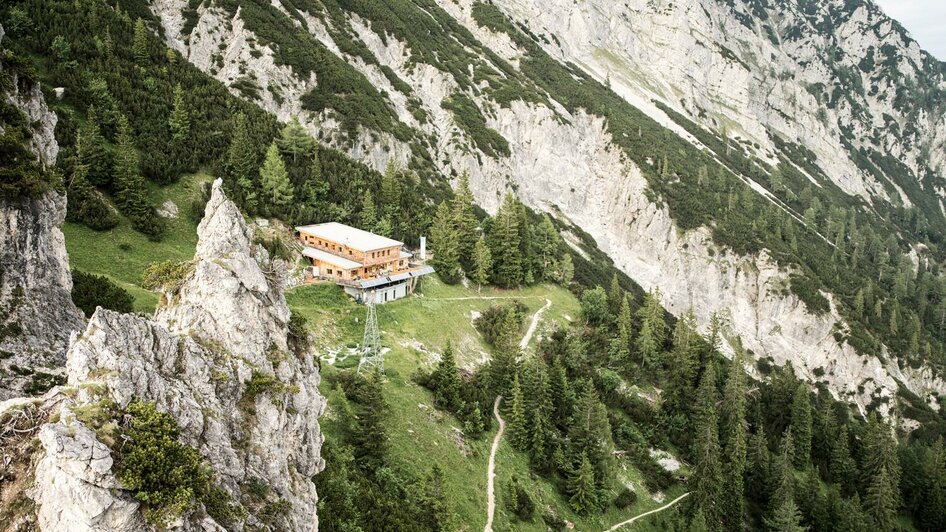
684, 359
547, 244
849, 515
615, 295
241, 164
566, 270
465, 222
275, 179
527, 254
843, 468
563, 397
369, 214
698, 522
503, 364
880, 453
589, 431
518, 432
734, 428
784, 471
881, 500
139, 43
786, 518
445, 381
801, 425
295, 141
646, 344
707, 473
92, 153
369, 436
391, 194
482, 263
621, 355
127, 183
758, 467
443, 243
505, 245
538, 406
180, 120
582, 493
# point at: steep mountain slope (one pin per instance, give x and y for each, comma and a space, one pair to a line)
781, 130
36, 311
250, 411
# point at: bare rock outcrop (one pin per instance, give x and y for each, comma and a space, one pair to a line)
216, 359
36, 310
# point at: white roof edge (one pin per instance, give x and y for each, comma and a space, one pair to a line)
350, 236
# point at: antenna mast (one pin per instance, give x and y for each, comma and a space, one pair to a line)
371, 355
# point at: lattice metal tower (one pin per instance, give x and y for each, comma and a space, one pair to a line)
371, 355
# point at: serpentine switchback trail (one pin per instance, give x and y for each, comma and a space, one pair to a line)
491, 472
645, 514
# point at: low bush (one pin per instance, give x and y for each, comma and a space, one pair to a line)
90, 291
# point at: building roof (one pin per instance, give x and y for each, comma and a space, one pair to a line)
349, 236
330, 258
369, 283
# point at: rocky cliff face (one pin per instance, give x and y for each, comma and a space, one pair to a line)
745, 81
248, 405
36, 310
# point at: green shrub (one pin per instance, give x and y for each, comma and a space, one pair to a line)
90, 291
165, 475
626, 498
490, 323
167, 275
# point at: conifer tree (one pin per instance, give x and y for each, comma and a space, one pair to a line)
482, 263
503, 363
391, 194
180, 119
784, 471
646, 344
758, 467
881, 500
625, 322
563, 397
615, 294
684, 359
566, 270
527, 254
843, 468
465, 222
241, 164
734, 430
369, 436
698, 522
369, 214
583, 495
707, 473
538, 405
801, 425
445, 381
518, 432
590, 431
127, 183
275, 179
443, 243
547, 244
295, 141
139, 43
787, 518
505, 246
92, 153
880, 453
849, 515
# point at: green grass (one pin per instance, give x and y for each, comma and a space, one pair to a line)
122, 254
421, 435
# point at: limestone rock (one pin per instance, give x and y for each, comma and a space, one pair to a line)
35, 284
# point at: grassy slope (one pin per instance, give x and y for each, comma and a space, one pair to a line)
122, 254
420, 435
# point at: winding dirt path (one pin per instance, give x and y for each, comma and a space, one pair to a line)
645, 514
491, 472
533, 324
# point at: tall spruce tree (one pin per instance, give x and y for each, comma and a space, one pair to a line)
139, 43
180, 119
92, 153
707, 470
241, 164
734, 427
843, 468
547, 245
275, 179
295, 141
882, 500
801, 425
445, 381
582, 491
368, 217
443, 243
505, 246
482, 263
391, 195
465, 222
518, 431
538, 405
